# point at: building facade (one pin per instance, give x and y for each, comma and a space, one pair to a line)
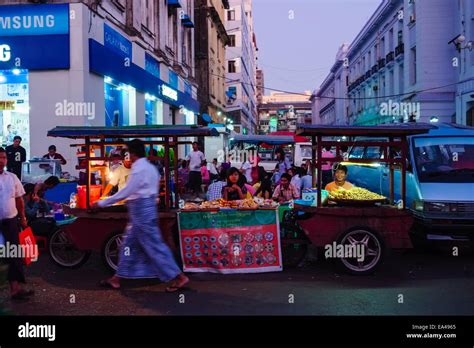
211, 40
112, 63
326, 107
241, 70
282, 112
463, 62
399, 67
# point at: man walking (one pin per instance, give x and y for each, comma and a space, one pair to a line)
12, 207
16, 155
144, 253
195, 159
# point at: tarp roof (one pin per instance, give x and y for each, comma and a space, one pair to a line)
132, 132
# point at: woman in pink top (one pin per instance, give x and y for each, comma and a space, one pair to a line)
205, 173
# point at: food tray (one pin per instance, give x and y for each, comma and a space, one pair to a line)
359, 202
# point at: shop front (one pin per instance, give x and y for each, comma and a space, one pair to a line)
32, 38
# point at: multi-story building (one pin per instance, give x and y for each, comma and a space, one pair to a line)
111, 62
463, 62
282, 112
327, 108
399, 66
240, 75
260, 86
211, 39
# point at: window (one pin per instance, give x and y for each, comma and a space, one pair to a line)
400, 37
172, 30
382, 47
231, 66
390, 40
413, 66
148, 11
231, 40
231, 15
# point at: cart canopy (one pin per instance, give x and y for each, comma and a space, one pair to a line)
263, 139
386, 130
132, 132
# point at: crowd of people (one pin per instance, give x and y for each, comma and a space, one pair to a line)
221, 180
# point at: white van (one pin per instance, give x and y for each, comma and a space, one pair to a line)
440, 181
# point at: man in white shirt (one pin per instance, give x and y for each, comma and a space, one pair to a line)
118, 174
144, 254
12, 208
212, 168
195, 159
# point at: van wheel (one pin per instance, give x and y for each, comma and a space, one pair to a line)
372, 251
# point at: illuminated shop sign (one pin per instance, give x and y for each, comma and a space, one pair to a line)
169, 92
5, 53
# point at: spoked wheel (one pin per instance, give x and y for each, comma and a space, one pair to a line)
64, 253
367, 250
111, 250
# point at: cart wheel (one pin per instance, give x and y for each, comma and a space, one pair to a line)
63, 252
111, 250
372, 247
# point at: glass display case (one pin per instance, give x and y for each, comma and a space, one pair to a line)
39, 169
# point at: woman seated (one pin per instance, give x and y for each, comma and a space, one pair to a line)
235, 188
35, 208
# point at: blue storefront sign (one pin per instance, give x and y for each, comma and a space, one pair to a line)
25, 20
106, 61
34, 37
152, 65
117, 42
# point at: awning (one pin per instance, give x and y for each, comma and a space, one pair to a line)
174, 3
263, 139
186, 21
132, 132
386, 130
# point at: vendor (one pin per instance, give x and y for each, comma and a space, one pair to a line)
339, 179
53, 155
233, 191
118, 174
48, 184
285, 191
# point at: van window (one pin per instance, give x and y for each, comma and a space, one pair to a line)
445, 159
372, 152
357, 152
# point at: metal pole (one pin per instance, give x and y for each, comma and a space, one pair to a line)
175, 165
167, 174
404, 170
392, 178
319, 171
88, 172
313, 160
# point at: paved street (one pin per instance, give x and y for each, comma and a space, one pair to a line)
431, 283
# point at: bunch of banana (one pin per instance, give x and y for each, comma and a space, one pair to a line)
355, 193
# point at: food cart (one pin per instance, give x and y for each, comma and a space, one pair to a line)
346, 224
88, 231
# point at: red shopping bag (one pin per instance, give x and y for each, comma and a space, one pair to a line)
29, 246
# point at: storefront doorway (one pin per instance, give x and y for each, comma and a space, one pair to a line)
119, 103
14, 108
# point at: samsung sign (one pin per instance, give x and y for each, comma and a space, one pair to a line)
34, 37
5, 53
26, 20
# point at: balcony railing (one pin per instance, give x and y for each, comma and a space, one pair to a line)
381, 63
400, 49
390, 57
374, 69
